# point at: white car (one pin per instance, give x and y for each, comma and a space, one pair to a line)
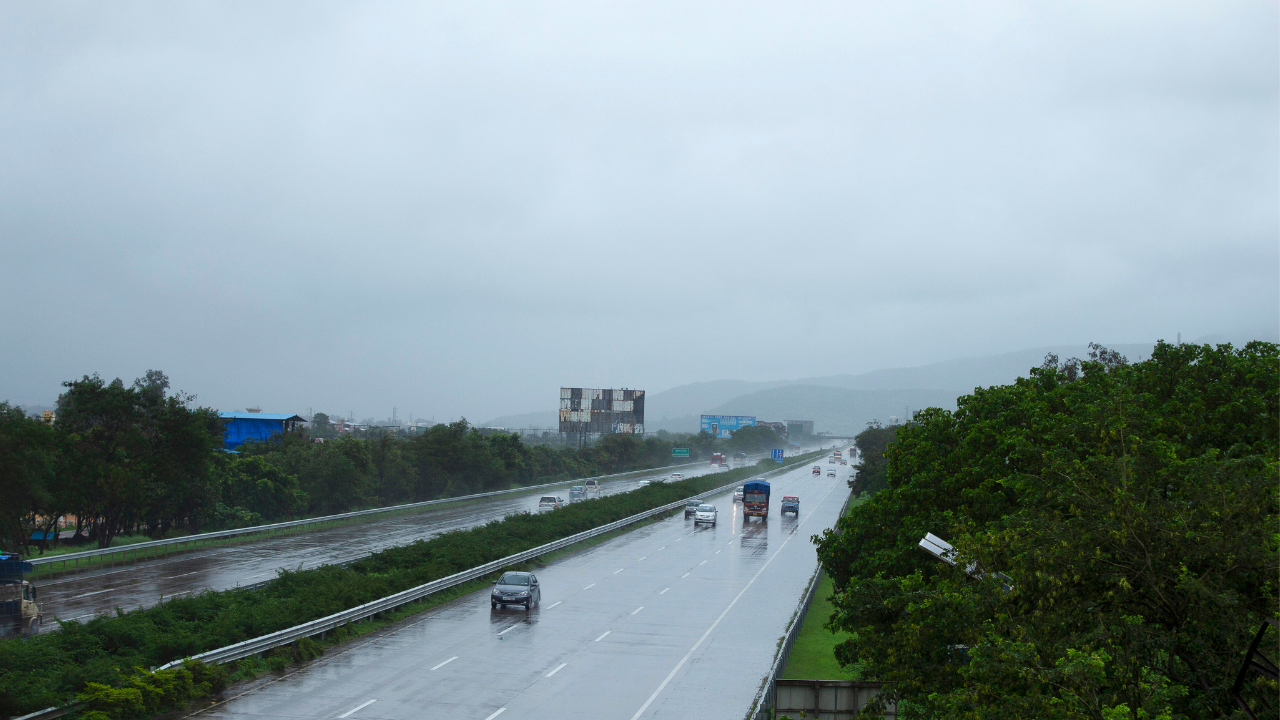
550, 502
676, 477
831, 473
644, 483
706, 514
737, 494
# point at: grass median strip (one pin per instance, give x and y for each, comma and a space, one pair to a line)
100, 656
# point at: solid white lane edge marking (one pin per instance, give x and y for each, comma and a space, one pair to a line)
553, 672
707, 634
352, 710
606, 632
554, 604
615, 572
446, 662
589, 586
513, 627
664, 590
633, 612
684, 576
500, 711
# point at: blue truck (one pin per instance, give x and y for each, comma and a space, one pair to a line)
19, 612
790, 504
755, 500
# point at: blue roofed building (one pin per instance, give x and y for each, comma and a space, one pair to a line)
243, 426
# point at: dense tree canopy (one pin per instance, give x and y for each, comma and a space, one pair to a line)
1116, 533
140, 459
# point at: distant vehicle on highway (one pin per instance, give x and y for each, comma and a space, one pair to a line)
755, 500
643, 483
577, 492
705, 514
717, 459
817, 470
831, 472
844, 462
19, 612
790, 504
550, 502
515, 588
593, 486
691, 508
676, 477
737, 494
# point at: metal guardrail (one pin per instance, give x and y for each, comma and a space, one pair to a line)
311, 521
50, 713
764, 702
391, 602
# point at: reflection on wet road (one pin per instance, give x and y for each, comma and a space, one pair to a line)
666, 621
81, 595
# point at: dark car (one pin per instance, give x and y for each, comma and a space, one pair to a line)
691, 508
516, 588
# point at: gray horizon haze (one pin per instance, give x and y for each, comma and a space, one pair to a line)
457, 208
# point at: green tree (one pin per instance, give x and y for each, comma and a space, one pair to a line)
872, 444
1115, 526
27, 470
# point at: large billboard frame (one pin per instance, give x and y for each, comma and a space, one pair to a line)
601, 411
723, 426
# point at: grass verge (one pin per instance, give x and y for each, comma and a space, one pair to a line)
813, 656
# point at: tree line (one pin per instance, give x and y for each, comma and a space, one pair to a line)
1115, 534
140, 459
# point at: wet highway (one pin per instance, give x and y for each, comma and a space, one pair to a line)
666, 621
81, 595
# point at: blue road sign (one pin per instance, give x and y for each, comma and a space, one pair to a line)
776, 454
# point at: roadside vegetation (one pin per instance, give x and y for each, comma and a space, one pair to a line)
1115, 525
141, 461
101, 658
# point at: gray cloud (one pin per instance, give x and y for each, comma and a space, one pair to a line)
458, 208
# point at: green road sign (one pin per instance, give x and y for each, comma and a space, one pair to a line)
679, 452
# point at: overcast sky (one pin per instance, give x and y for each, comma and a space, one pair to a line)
456, 209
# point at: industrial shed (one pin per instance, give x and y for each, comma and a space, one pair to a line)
255, 426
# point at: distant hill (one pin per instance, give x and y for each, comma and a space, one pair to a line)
841, 411
845, 403
968, 373
527, 420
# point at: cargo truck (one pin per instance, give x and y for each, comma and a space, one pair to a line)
755, 501
19, 612
717, 459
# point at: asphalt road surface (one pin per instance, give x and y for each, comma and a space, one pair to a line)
100, 590
669, 620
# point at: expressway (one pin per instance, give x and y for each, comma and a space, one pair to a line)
101, 589
669, 620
